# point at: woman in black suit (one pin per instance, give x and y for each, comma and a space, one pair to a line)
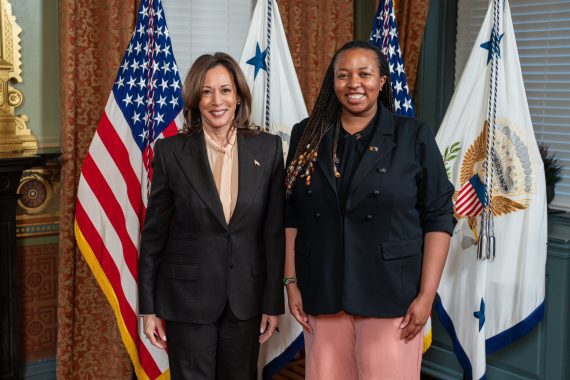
369, 216
212, 247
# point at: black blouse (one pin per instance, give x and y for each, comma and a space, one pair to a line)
350, 149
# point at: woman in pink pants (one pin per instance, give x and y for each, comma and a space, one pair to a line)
369, 217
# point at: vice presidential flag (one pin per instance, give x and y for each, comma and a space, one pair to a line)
277, 105
488, 140
268, 67
144, 105
385, 36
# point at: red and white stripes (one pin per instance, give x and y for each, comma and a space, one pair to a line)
111, 203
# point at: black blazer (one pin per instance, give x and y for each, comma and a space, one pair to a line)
191, 261
368, 262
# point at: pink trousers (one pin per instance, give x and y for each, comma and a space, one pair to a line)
346, 347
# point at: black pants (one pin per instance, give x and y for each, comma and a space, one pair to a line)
226, 349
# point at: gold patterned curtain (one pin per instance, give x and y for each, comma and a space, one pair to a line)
315, 29
411, 16
93, 37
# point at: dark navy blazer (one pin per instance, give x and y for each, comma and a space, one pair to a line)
368, 262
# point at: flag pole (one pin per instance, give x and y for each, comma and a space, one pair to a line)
486, 244
268, 64
150, 55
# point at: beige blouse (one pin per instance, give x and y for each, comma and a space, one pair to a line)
224, 165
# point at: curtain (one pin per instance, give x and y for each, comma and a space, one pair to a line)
93, 37
411, 16
315, 29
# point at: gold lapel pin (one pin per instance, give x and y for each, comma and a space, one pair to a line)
373, 148
256, 163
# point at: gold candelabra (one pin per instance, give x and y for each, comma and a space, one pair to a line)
14, 133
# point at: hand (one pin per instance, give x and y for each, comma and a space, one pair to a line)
267, 328
153, 330
296, 307
416, 317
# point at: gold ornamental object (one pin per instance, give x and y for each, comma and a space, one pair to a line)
14, 133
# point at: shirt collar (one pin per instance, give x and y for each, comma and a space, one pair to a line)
365, 133
213, 145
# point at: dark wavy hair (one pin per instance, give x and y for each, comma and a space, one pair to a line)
192, 93
326, 114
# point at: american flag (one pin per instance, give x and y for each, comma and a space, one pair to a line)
385, 36
471, 198
144, 105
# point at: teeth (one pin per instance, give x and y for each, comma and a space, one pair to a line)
218, 113
356, 96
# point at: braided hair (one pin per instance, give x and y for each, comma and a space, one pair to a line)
326, 115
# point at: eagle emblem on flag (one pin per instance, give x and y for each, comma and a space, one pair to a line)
514, 176
492, 288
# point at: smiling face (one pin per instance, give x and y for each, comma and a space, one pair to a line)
218, 99
357, 82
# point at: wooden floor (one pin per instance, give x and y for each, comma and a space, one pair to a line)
294, 371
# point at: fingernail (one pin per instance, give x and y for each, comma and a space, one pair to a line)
164, 338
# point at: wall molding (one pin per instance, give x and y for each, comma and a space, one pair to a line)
40, 370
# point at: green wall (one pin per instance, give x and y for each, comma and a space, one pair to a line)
40, 67
435, 82
364, 12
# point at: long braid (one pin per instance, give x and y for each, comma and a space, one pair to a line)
386, 95
326, 115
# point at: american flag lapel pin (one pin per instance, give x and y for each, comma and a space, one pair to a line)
256, 163
373, 148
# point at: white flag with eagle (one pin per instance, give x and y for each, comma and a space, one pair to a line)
277, 105
492, 289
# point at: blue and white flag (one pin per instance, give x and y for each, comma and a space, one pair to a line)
268, 67
385, 36
487, 303
277, 105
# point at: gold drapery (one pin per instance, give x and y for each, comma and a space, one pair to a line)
315, 29
411, 16
93, 39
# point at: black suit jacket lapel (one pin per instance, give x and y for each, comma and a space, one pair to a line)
250, 169
193, 162
381, 143
325, 162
